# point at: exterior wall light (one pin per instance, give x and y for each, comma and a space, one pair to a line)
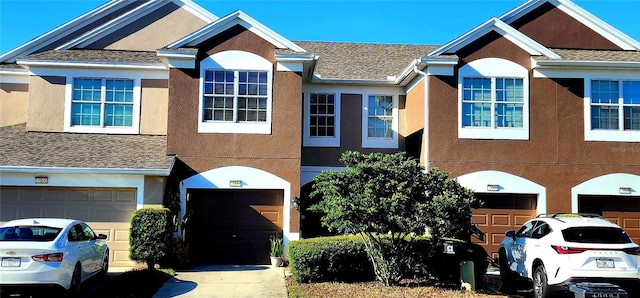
493, 187
624, 190
295, 203
235, 183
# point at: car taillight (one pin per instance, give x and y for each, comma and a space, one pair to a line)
56, 257
568, 250
633, 251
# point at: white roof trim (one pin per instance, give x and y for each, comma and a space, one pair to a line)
68, 170
581, 15
94, 64
587, 64
494, 24
132, 16
59, 32
235, 18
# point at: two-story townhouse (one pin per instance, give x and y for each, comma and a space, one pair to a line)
102, 115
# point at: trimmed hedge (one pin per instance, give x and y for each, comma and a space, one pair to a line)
150, 235
343, 258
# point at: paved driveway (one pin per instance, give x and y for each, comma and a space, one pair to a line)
226, 281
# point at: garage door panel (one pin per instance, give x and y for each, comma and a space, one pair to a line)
99, 207
621, 210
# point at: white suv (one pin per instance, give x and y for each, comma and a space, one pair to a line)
553, 251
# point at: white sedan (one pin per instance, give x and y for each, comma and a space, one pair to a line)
48, 253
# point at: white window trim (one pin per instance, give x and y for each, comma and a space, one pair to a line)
135, 125
605, 135
368, 142
313, 141
494, 68
235, 60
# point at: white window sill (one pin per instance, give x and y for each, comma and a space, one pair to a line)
321, 142
102, 130
493, 134
241, 128
380, 143
612, 136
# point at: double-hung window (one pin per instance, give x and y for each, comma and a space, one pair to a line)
493, 100
235, 93
106, 105
235, 96
380, 125
612, 110
321, 119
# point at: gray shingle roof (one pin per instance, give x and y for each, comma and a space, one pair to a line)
362, 61
101, 56
50, 149
594, 55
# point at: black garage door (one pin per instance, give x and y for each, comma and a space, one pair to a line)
233, 226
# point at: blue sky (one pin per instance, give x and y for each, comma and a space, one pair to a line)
401, 21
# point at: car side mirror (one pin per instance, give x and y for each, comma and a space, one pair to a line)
102, 236
511, 234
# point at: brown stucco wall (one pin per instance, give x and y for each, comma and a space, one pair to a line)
553, 28
154, 107
153, 191
556, 155
165, 25
45, 110
13, 103
350, 135
277, 153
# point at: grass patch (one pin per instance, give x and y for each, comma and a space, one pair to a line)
135, 283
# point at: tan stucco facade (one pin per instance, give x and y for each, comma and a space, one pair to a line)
46, 104
154, 107
14, 100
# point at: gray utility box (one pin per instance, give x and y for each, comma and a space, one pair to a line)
597, 290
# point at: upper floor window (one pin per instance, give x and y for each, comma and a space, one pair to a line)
321, 118
612, 110
380, 122
493, 100
102, 102
235, 88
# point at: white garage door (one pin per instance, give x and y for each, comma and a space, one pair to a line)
107, 210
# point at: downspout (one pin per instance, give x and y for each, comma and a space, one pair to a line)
425, 132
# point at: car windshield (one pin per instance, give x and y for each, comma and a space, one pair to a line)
603, 235
29, 233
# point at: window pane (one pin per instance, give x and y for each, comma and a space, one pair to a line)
85, 114
380, 127
604, 117
604, 92
476, 115
476, 89
509, 90
631, 92
119, 91
86, 89
632, 118
120, 115
509, 115
252, 109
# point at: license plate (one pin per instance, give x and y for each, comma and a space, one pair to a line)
604, 263
10, 262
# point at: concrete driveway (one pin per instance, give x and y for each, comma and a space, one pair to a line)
226, 281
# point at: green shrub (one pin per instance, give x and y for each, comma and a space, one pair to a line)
338, 258
343, 258
177, 254
150, 235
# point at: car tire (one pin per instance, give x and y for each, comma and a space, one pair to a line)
506, 275
540, 286
105, 265
76, 279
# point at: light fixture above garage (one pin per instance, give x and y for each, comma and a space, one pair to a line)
493, 187
235, 183
624, 190
295, 203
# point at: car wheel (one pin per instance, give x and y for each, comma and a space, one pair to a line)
76, 278
506, 275
540, 287
105, 265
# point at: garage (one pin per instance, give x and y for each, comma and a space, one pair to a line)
232, 226
107, 210
500, 213
621, 210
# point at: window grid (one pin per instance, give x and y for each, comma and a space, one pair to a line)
322, 115
380, 117
493, 102
235, 96
615, 105
102, 102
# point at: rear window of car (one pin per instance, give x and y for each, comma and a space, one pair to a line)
29, 233
595, 235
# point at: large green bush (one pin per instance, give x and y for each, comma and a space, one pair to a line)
150, 235
343, 258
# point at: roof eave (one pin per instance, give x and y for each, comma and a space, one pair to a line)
586, 64
353, 82
71, 170
91, 64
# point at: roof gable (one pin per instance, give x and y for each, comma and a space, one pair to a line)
495, 25
235, 18
581, 15
119, 12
